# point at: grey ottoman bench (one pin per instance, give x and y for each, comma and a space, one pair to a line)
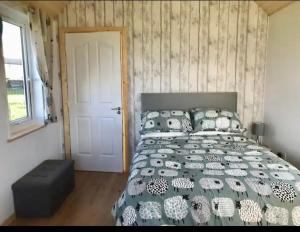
41, 191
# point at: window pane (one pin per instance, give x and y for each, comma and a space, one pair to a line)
14, 71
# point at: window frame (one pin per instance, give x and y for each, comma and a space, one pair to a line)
22, 127
27, 78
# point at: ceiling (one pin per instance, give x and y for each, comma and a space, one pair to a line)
270, 7
55, 7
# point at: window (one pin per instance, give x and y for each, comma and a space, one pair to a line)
25, 104
17, 80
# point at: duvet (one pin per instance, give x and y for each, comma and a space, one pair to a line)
214, 180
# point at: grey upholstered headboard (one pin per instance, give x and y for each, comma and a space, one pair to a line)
185, 101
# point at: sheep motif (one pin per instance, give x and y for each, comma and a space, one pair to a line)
213, 158
283, 175
133, 173
238, 165
249, 211
156, 163
194, 165
284, 191
128, 217
157, 186
149, 142
222, 122
147, 152
296, 215
158, 156
191, 146
233, 158
163, 142
216, 151
258, 186
227, 138
212, 172
239, 139
236, 172
165, 151
206, 145
211, 184
254, 147
211, 141
167, 172
200, 209
236, 153
259, 174
136, 187
236, 185
173, 146
227, 113
257, 165
140, 164
147, 172
278, 167
176, 208
182, 152
223, 207
140, 158
253, 153
172, 164
276, 215
197, 152
211, 113
183, 183
194, 157
215, 165
252, 158
149, 210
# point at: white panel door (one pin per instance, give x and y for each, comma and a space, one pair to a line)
94, 87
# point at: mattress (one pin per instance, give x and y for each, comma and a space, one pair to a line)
215, 180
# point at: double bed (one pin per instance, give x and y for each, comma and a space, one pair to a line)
213, 178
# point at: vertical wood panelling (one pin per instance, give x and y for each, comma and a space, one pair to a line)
155, 40
203, 51
99, 14
222, 46
71, 11
241, 55
250, 63
147, 47
80, 14
185, 46
232, 45
166, 46
194, 46
118, 15
128, 20
137, 62
175, 45
109, 13
213, 46
90, 13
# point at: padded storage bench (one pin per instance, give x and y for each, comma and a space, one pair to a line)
41, 191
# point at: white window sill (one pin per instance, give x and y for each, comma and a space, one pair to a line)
27, 130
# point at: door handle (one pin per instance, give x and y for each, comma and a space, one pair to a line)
118, 109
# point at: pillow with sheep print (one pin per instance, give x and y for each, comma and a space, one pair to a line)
166, 121
216, 120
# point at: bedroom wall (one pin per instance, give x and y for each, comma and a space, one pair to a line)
20, 156
186, 46
282, 111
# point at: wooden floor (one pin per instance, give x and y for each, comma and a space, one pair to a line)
88, 205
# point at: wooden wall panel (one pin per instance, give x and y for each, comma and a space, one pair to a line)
186, 46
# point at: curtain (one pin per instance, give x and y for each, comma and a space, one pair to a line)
41, 39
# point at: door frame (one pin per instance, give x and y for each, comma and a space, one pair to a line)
124, 86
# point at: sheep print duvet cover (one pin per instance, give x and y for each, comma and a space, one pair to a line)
213, 180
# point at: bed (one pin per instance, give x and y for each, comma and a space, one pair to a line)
209, 178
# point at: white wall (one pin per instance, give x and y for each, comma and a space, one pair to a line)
282, 99
22, 155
